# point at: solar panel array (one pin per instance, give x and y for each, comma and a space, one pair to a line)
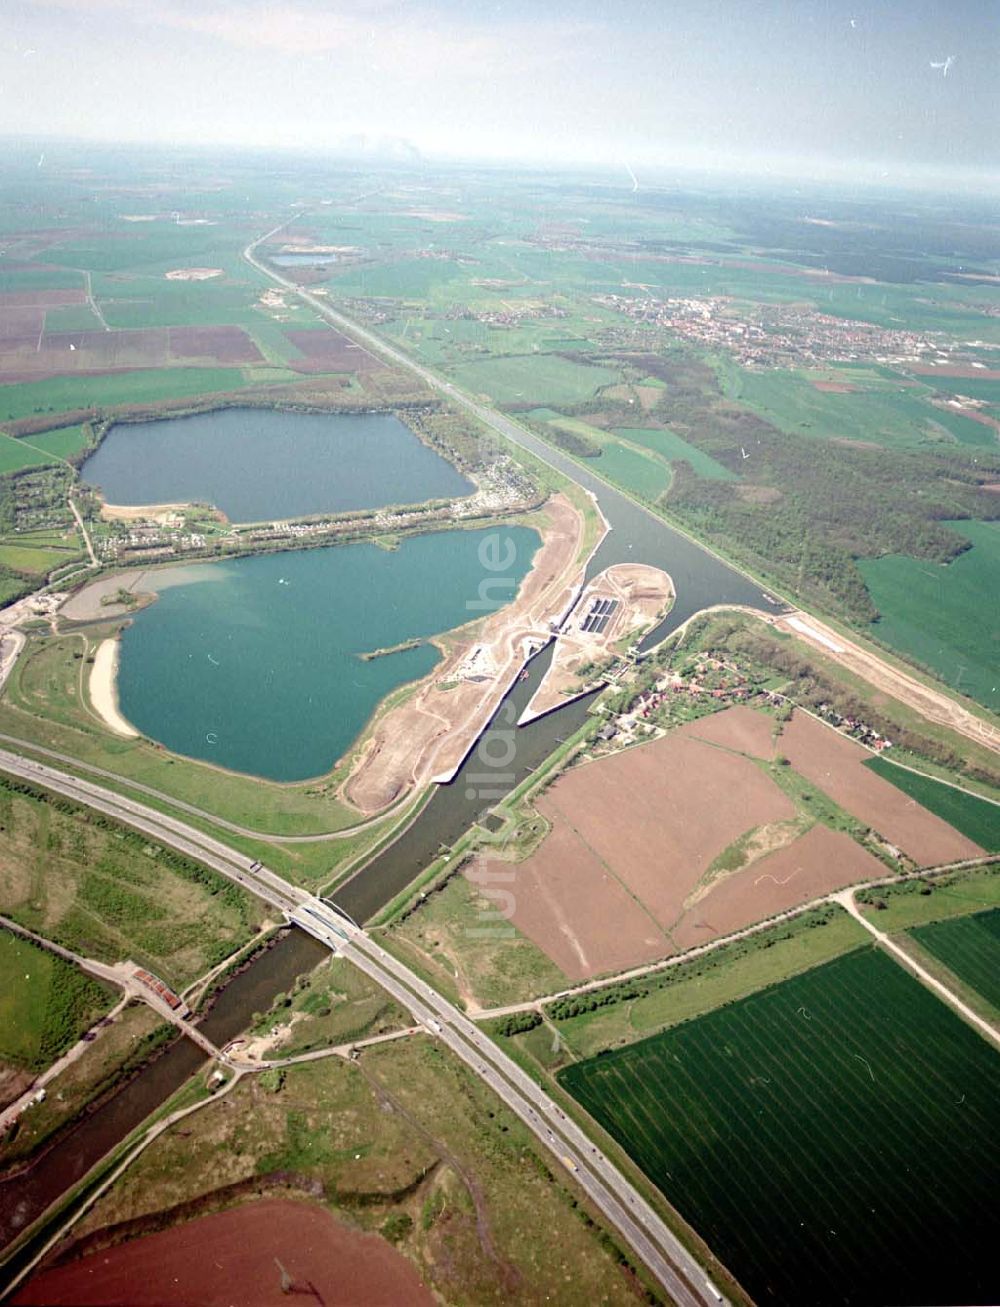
599, 616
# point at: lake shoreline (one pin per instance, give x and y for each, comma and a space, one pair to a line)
271, 651
425, 739
103, 689
259, 464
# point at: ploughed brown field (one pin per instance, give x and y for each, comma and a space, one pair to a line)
326, 350
228, 1260
22, 352
575, 909
626, 874
815, 863
737, 728
45, 299
20, 324
954, 370
834, 764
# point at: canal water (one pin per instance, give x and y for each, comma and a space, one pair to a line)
638, 535
255, 663
23, 1197
502, 757
261, 465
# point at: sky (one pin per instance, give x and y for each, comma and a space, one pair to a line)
820, 86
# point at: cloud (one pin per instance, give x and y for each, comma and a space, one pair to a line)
391, 35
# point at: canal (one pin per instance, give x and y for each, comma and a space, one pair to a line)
503, 756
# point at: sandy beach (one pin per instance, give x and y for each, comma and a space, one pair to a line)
103, 692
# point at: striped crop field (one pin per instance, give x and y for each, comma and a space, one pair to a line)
968, 946
977, 818
834, 1139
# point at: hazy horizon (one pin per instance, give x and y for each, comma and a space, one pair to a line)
787, 87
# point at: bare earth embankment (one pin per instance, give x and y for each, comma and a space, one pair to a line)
621, 603
930, 703
834, 763
426, 738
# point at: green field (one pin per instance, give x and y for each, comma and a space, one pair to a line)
444, 938
24, 558
974, 387
640, 474
72, 317
62, 443
23, 279
968, 946
534, 379
835, 1138
937, 615
673, 448
334, 1004
632, 1010
14, 454
964, 429
65, 394
897, 419
109, 894
46, 1003
915, 902
975, 817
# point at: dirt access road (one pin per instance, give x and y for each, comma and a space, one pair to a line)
933, 704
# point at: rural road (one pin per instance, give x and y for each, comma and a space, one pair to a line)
627, 1212
933, 703
846, 899
721, 941
83, 531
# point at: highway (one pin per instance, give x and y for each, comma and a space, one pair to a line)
380, 348
623, 1207
162, 828
929, 701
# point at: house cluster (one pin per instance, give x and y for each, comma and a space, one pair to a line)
775, 335
853, 726
149, 540
502, 486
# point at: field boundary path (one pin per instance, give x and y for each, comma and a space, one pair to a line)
133, 981
935, 704
846, 900
83, 530
13, 1110
700, 950
93, 305
615, 1197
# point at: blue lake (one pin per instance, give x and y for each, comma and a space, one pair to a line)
253, 663
262, 464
